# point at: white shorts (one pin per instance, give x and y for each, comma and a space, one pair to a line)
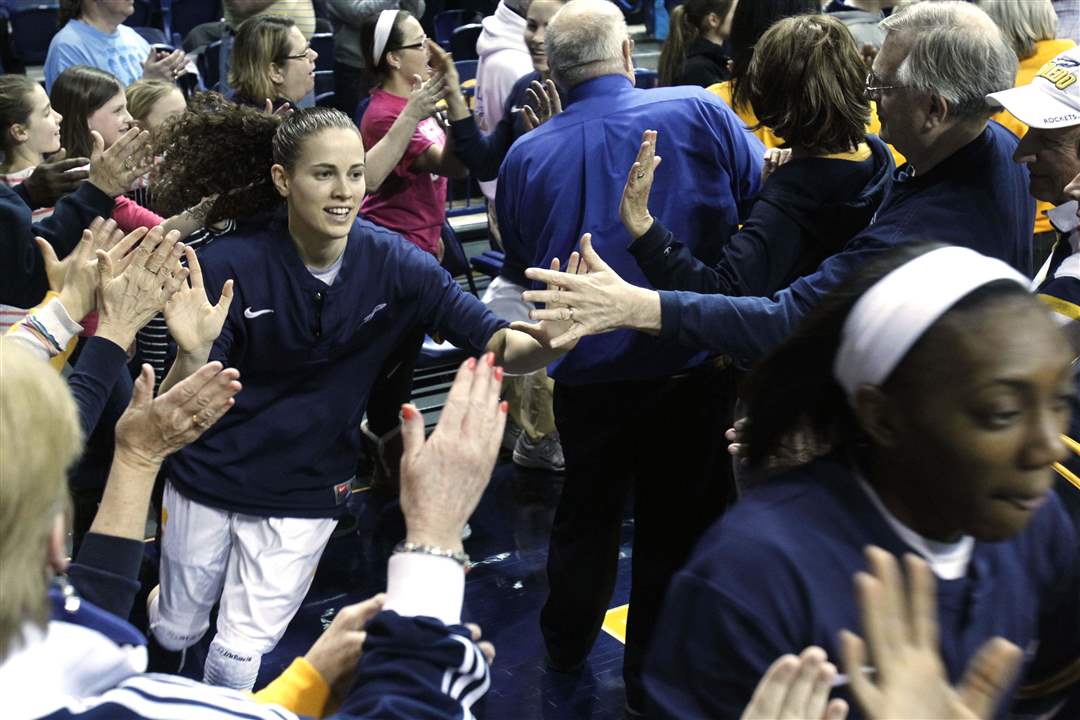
260, 567
503, 298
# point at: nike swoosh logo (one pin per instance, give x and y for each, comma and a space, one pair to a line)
248, 313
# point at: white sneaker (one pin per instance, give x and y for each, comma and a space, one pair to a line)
543, 454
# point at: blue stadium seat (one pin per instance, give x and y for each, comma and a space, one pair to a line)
645, 79
32, 27
446, 22
488, 263
141, 16
180, 16
325, 99
209, 64
152, 35
361, 108
466, 69
324, 82
463, 42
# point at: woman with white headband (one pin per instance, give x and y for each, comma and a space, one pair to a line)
940, 388
411, 201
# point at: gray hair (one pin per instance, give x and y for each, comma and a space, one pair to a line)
1023, 23
957, 53
584, 40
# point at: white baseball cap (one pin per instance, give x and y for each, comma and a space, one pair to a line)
1052, 99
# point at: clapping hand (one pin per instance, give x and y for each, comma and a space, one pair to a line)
163, 65
901, 630
634, 206
774, 158
113, 171
75, 277
193, 322
443, 477
152, 428
131, 292
544, 97
424, 97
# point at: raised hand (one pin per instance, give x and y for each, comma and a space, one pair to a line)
55, 178
442, 63
594, 301
114, 170
443, 477
797, 688
152, 428
193, 322
737, 436
544, 97
284, 110
902, 632
130, 297
634, 206
545, 331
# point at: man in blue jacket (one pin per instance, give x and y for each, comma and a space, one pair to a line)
959, 186
631, 413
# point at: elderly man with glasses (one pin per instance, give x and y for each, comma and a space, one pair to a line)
960, 185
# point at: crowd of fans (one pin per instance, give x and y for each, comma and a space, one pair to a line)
813, 304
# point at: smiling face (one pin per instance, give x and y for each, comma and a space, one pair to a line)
111, 119
41, 132
1053, 159
295, 76
540, 12
979, 410
325, 187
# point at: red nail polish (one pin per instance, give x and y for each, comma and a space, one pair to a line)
471, 364
490, 358
406, 412
504, 407
499, 373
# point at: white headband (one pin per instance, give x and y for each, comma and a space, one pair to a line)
892, 315
382, 32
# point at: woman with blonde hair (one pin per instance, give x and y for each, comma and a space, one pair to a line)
271, 61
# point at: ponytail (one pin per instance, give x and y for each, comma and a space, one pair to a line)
673, 55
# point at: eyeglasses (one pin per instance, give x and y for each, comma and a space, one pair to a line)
302, 55
874, 88
415, 45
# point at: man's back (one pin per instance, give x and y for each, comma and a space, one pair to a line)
566, 178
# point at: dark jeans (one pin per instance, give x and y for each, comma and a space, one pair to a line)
663, 439
394, 385
350, 87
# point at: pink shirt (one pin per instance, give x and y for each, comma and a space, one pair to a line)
129, 215
409, 202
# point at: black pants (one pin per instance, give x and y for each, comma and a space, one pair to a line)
350, 87
664, 440
394, 385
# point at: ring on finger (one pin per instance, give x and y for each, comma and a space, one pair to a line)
197, 422
571, 318
640, 175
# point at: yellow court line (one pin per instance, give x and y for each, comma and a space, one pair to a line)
615, 622
1068, 475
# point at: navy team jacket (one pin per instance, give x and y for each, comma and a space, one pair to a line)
774, 576
308, 355
977, 198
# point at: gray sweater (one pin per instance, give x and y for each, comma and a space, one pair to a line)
348, 15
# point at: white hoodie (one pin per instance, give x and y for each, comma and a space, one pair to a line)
504, 58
